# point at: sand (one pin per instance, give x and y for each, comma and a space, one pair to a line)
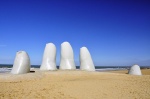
144, 71
75, 85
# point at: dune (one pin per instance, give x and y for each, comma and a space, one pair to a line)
75, 84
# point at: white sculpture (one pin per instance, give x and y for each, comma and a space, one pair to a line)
67, 57
86, 62
21, 63
135, 70
49, 58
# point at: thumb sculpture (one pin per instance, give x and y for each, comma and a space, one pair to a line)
135, 70
21, 64
49, 58
67, 57
86, 62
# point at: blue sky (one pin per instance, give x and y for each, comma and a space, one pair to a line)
116, 32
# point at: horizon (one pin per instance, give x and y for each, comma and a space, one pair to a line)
116, 33
79, 65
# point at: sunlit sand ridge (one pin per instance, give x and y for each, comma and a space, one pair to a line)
74, 85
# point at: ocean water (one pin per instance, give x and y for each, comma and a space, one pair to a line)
8, 67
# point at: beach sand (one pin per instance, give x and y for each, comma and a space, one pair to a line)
75, 85
144, 71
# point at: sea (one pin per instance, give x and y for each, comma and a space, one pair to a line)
8, 67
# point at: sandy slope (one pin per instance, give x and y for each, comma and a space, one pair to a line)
74, 85
144, 71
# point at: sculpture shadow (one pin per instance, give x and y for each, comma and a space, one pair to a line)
32, 71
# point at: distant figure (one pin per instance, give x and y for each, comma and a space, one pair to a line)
67, 57
86, 62
135, 70
21, 64
49, 58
